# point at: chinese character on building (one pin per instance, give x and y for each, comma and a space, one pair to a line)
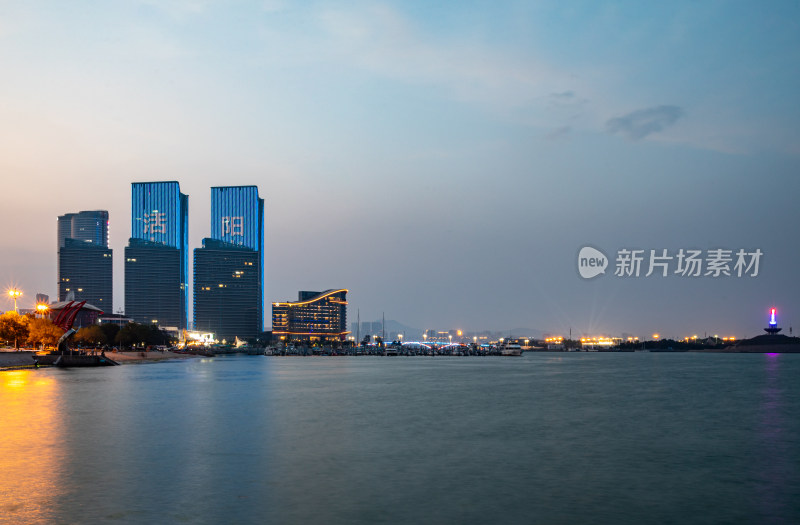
233, 226
155, 222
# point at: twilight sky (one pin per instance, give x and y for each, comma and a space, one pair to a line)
444, 161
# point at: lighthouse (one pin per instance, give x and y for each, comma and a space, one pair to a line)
772, 329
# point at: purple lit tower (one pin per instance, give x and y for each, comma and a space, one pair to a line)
772, 329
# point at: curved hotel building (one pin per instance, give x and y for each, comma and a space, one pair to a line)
314, 317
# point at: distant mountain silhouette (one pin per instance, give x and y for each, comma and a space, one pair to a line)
526, 332
411, 333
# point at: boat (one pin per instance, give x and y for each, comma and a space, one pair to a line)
510, 349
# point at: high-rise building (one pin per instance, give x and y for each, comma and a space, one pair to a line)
87, 226
84, 259
315, 316
229, 268
157, 255
227, 290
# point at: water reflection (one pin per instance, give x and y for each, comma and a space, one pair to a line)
639, 438
31, 452
774, 456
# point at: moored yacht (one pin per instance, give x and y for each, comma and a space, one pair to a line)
510, 348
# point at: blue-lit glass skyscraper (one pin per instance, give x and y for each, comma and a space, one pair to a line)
157, 255
84, 258
229, 268
90, 227
237, 216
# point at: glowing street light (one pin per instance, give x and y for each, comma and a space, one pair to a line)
15, 294
42, 309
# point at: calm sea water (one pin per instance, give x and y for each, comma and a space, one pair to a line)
546, 438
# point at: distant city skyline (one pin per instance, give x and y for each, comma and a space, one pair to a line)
444, 163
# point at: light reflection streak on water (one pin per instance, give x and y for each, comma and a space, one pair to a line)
31, 452
772, 447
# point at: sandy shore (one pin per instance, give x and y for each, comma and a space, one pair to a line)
140, 357
24, 358
12, 359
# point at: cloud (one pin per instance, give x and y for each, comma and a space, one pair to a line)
566, 96
516, 84
562, 132
273, 6
385, 42
178, 8
643, 122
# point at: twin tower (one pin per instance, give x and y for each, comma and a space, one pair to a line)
228, 269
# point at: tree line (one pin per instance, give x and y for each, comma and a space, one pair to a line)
17, 330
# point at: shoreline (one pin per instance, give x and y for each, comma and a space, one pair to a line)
23, 359
129, 358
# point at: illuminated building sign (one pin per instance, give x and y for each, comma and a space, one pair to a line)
237, 216
159, 213
233, 226
155, 222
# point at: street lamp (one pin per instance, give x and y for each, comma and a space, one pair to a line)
42, 309
15, 294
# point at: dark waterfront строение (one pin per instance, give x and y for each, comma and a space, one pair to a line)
546, 438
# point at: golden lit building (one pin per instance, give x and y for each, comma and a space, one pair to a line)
315, 316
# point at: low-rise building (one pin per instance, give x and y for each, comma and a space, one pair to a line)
314, 317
